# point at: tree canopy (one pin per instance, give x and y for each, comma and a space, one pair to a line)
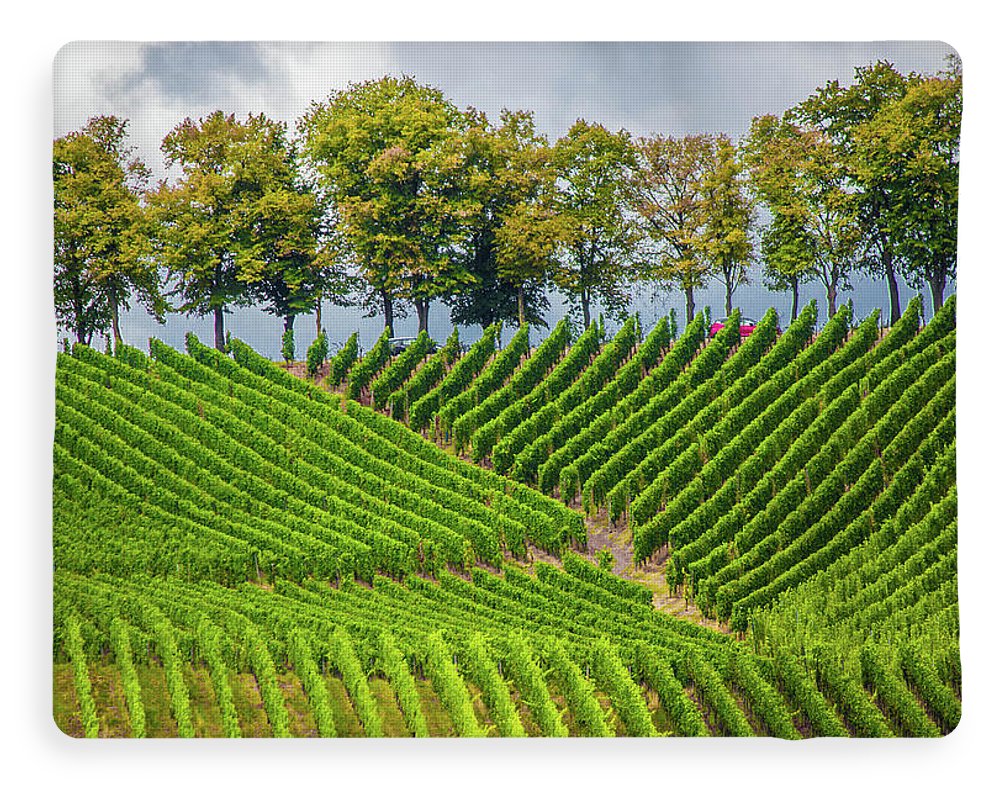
909, 152
389, 153
799, 177
101, 234
592, 167
234, 225
389, 196
842, 112
508, 177
665, 192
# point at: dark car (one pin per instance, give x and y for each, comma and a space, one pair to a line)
399, 345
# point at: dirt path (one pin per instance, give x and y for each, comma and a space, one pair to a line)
601, 534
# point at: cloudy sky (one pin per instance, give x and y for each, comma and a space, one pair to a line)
668, 88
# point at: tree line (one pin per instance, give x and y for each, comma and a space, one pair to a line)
388, 196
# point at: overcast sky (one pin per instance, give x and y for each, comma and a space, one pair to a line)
668, 88
646, 88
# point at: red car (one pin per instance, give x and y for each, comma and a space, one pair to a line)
746, 327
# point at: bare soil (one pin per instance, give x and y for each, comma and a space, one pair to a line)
617, 539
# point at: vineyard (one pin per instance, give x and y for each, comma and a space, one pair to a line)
406, 548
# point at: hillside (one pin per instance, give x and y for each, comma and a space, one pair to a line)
231, 540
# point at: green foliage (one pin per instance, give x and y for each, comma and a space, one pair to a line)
890, 688
591, 164
317, 353
481, 669
658, 675
798, 174
344, 657
449, 687
288, 345
523, 669
506, 178
210, 638
81, 677
426, 378
101, 250
388, 153
401, 367
713, 692
362, 374
301, 654
342, 361
909, 151
808, 497
396, 671
940, 700
236, 226
456, 380
579, 692
625, 694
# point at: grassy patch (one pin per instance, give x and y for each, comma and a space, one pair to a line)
438, 721
109, 698
65, 707
344, 718
560, 703
160, 721
393, 724
300, 717
481, 711
249, 706
205, 714
660, 719
614, 721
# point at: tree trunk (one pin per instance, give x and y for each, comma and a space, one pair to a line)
289, 322
387, 311
729, 297
319, 317
78, 313
585, 305
831, 300
115, 329
890, 279
936, 283
520, 305
689, 297
220, 335
795, 298
423, 307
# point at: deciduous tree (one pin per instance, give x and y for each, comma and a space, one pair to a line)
387, 155
909, 150
101, 253
593, 167
528, 249
842, 112
724, 219
801, 179
665, 192
234, 217
509, 179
